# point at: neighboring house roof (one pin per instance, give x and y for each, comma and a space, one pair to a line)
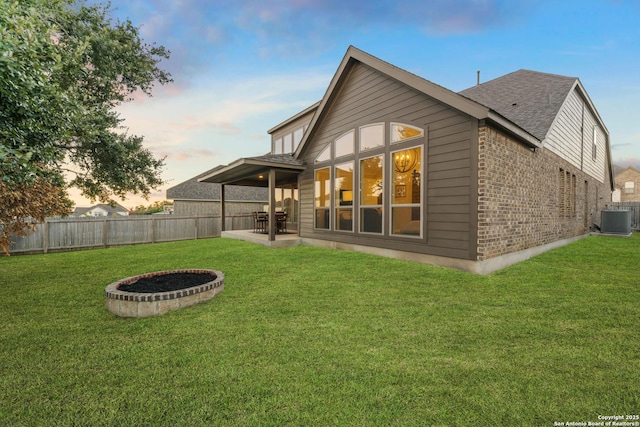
117, 209
617, 169
193, 189
530, 99
79, 211
620, 169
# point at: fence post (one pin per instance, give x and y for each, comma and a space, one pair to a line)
45, 237
105, 233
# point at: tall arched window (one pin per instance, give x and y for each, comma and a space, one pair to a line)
376, 180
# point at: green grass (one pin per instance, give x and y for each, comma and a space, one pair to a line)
310, 336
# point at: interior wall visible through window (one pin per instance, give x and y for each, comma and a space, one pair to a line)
343, 196
322, 198
371, 194
353, 168
406, 192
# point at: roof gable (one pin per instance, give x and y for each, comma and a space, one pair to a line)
620, 170
354, 55
530, 99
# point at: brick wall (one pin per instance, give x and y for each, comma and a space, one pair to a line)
527, 198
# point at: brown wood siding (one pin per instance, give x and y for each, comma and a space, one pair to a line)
367, 96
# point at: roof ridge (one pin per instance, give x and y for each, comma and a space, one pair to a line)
520, 71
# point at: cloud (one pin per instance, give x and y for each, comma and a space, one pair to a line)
198, 153
628, 161
288, 28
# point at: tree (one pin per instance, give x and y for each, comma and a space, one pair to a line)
64, 68
155, 207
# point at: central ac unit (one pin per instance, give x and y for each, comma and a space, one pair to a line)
616, 222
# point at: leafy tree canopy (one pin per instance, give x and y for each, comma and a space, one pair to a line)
155, 207
64, 67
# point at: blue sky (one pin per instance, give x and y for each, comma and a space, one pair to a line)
241, 67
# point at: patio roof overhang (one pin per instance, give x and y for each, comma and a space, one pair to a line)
254, 171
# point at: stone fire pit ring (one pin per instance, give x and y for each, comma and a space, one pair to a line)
138, 304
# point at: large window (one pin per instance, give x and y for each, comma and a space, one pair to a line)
371, 194
406, 194
356, 169
322, 198
344, 196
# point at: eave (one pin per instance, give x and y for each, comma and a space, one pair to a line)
253, 172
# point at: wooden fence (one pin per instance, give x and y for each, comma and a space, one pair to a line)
634, 207
57, 235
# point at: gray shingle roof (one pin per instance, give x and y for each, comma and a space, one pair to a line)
191, 189
79, 211
529, 99
285, 159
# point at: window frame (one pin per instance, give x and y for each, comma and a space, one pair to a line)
400, 141
362, 206
382, 222
370, 125
631, 187
326, 149
341, 137
594, 145
392, 190
336, 196
317, 208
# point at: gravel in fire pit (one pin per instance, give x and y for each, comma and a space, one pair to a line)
167, 282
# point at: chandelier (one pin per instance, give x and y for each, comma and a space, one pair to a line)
405, 161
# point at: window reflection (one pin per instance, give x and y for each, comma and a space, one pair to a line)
324, 155
401, 132
344, 196
371, 136
371, 194
322, 197
344, 144
406, 195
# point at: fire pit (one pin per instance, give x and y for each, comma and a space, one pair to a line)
156, 293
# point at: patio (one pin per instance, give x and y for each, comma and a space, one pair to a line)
282, 240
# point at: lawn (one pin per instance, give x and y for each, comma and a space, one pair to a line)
308, 336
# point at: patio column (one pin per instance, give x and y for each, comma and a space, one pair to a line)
222, 213
272, 205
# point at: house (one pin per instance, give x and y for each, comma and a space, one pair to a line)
393, 164
627, 182
101, 209
195, 198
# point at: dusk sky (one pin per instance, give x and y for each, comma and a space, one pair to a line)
241, 67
